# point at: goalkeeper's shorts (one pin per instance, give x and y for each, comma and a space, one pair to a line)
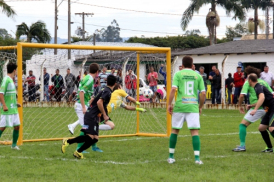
10, 120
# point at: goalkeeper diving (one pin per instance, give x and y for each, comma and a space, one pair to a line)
115, 102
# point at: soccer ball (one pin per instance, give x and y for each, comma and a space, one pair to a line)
148, 93
141, 90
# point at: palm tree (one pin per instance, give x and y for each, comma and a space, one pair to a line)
6, 9
256, 4
36, 31
212, 18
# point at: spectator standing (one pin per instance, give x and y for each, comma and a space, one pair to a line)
31, 86
70, 83
204, 76
267, 76
46, 85
119, 78
58, 82
194, 69
152, 79
78, 79
229, 83
103, 77
163, 73
239, 80
211, 75
217, 81
130, 81
180, 68
112, 71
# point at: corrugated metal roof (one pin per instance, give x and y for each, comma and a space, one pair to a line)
234, 47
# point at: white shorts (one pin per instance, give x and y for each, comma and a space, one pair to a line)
258, 115
10, 120
192, 119
79, 112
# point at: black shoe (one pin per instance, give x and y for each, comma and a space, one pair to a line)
267, 150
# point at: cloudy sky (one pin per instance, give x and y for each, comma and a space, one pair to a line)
136, 24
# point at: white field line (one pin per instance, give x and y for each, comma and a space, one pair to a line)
119, 162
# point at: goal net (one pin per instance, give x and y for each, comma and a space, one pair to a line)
49, 93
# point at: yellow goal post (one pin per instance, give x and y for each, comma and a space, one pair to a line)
138, 50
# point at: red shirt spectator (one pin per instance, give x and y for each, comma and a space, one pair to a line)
239, 78
130, 81
31, 79
152, 78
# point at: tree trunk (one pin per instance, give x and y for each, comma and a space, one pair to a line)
256, 23
213, 29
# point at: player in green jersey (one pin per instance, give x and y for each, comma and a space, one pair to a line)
186, 108
85, 92
9, 111
249, 119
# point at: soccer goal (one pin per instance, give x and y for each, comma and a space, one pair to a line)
48, 103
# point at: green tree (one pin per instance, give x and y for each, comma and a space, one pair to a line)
212, 19
256, 5
111, 34
238, 31
37, 31
6, 9
176, 42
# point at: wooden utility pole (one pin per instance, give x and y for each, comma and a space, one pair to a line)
55, 25
83, 14
69, 30
267, 23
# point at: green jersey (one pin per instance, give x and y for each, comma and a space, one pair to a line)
86, 86
252, 94
9, 91
188, 83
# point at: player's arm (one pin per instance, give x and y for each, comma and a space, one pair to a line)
102, 110
258, 104
171, 97
2, 100
82, 101
203, 93
244, 92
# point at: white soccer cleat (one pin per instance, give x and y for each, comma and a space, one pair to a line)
170, 160
71, 129
199, 162
15, 148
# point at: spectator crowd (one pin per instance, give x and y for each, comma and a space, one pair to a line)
66, 87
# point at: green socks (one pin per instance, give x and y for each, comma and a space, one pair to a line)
172, 144
242, 134
94, 146
1, 132
196, 147
80, 144
15, 136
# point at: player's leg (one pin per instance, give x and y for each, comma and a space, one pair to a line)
79, 112
263, 130
109, 125
2, 124
177, 124
247, 120
16, 125
193, 124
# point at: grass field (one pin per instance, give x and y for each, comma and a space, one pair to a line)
144, 158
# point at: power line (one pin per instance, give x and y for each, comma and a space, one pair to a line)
137, 11
134, 30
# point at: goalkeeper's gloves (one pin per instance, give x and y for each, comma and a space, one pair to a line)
141, 109
137, 103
